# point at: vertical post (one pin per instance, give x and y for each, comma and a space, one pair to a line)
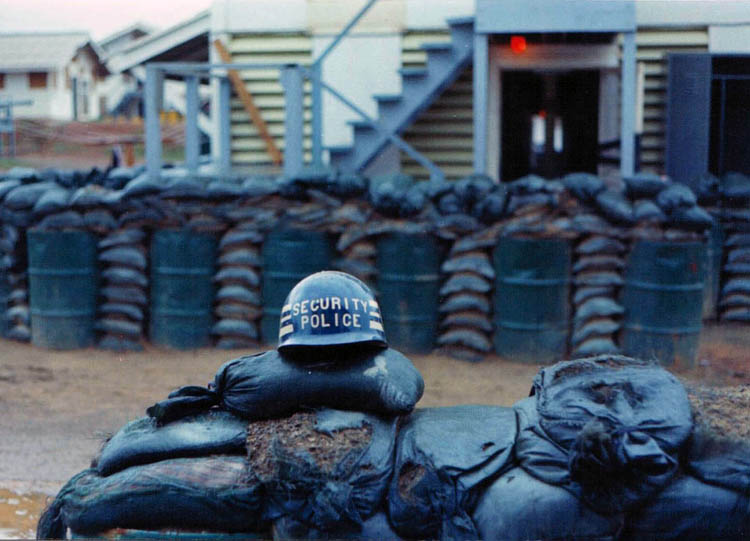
481, 78
628, 104
152, 91
192, 139
294, 122
317, 115
225, 136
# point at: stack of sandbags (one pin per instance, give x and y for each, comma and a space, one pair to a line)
465, 330
124, 289
238, 300
598, 265
596, 444
356, 242
16, 309
734, 304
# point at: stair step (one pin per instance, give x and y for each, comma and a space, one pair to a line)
460, 21
412, 73
437, 46
387, 98
338, 149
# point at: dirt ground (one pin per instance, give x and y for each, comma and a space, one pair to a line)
57, 407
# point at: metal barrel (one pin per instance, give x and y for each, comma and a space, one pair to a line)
663, 297
408, 284
62, 288
531, 299
182, 289
289, 255
714, 259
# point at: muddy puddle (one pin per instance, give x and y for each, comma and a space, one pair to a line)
19, 513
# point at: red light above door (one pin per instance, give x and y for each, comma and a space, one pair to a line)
517, 44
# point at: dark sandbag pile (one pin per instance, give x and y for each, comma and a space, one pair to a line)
606, 448
469, 216
238, 302
734, 303
16, 283
122, 312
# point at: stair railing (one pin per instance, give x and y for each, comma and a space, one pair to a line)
315, 75
435, 172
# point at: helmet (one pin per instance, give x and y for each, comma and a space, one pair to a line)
330, 308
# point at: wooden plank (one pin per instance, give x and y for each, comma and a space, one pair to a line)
247, 101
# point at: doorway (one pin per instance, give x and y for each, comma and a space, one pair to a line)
549, 122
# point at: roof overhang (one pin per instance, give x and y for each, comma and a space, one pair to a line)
186, 41
540, 16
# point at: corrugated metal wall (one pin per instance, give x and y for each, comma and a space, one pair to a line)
652, 46
444, 132
248, 148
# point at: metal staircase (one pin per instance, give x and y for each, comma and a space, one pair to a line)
420, 87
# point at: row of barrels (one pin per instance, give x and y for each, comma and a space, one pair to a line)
663, 294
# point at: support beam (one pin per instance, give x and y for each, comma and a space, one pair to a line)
225, 135
294, 122
192, 138
481, 81
628, 104
153, 90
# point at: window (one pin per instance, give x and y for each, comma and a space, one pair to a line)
38, 79
2, 81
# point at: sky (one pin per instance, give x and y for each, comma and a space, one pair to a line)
100, 18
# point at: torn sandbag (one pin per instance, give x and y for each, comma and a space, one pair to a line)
607, 428
143, 441
445, 458
257, 386
518, 507
719, 449
327, 469
218, 493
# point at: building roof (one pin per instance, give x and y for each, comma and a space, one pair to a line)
39, 51
125, 37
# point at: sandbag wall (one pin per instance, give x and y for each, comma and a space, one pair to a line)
234, 458
467, 218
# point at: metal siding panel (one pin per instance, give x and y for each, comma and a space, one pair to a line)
688, 116
268, 94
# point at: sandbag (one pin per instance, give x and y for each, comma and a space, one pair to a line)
375, 528
688, 510
598, 244
518, 507
143, 441
465, 301
258, 386
645, 185
615, 207
445, 457
608, 429
218, 493
676, 196
584, 186
327, 469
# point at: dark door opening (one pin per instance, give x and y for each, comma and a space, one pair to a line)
730, 115
550, 123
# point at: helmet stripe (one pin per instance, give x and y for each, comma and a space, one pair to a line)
286, 329
376, 325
